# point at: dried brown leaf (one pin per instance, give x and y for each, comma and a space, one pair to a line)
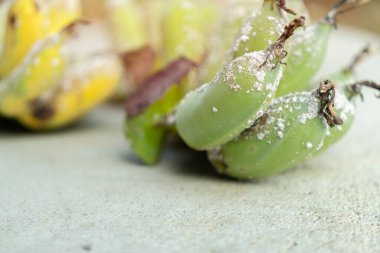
138, 63
154, 87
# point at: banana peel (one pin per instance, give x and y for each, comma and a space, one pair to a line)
29, 21
50, 80
126, 20
186, 26
76, 94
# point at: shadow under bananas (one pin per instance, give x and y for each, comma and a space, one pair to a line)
12, 127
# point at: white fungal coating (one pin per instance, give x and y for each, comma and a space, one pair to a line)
226, 31
344, 107
249, 64
313, 110
258, 23
304, 41
247, 81
309, 145
280, 116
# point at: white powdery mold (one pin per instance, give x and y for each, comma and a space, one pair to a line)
249, 63
312, 107
309, 145
271, 87
281, 124
320, 145
235, 86
229, 74
302, 41
258, 86
245, 32
250, 123
260, 136
343, 106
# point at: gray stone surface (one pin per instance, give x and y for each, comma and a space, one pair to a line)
81, 190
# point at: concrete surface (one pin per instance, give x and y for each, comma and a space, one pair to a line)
81, 190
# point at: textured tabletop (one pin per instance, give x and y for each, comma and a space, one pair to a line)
81, 190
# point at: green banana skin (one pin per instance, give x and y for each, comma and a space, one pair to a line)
291, 131
218, 111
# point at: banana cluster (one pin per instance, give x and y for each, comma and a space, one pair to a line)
254, 113
53, 65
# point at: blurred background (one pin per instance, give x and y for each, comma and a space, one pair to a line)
366, 17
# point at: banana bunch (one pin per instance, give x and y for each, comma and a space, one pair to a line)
49, 75
150, 34
177, 33
254, 115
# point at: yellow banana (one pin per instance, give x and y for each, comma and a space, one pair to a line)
4, 8
54, 76
41, 68
29, 21
83, 86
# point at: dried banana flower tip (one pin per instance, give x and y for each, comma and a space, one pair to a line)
327, 93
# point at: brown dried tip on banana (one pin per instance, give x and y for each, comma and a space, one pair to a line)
277, 48
327, 93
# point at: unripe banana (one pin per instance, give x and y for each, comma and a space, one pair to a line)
186, 27
220, 110
307, 50
231, 19
126, 21
291, 131
259, 30
153, 20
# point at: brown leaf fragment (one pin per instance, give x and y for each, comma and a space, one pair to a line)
282, 5
138, 63
154, 87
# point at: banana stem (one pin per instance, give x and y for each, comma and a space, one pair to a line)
363, 55
341, 7
278, 48
355, 89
